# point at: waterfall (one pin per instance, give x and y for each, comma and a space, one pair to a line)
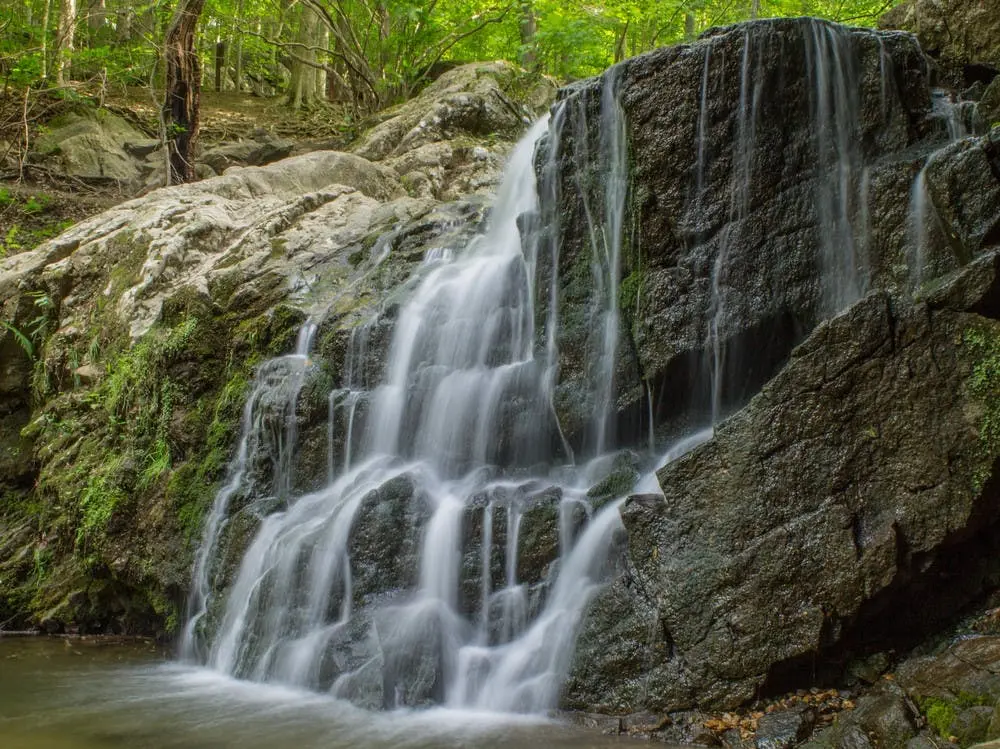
266, 427
922, 218
409, 578
841, 176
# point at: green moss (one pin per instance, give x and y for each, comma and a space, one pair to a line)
941, 713
983, 343
629, 291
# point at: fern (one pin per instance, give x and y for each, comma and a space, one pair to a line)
21, 338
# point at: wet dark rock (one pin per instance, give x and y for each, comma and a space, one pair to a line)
887, 717
963, 36
784, 728
972, 725
623, 473
967, 667
989, 103
862, 459
868, 670
923, 740
963, 186
385, 539
772, 271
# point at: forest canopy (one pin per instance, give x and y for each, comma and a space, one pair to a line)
367, 52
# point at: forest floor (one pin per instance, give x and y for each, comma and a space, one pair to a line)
37, 204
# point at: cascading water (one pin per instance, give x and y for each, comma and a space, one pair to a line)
452, 553
922, 217
841, 178
267, 429
407, 580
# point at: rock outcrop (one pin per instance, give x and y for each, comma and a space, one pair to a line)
750, 216
963, 36
129, 343
436, 140
859, 481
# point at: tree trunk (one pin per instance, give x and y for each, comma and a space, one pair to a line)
620, 43
97, 14
754, 8
220, 64
67, 27
302, 85
528, 26
689, 26
45, 38
183, 85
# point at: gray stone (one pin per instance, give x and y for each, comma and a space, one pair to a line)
257, 152
143, 147
772, 276
887, 717
784, 728
989, 103
972, 725
91, 146
957, 32
968, 667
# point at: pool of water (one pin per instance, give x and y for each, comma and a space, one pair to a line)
79, 694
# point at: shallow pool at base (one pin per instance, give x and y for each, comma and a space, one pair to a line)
77, 694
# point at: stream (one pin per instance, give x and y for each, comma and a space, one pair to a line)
97, 694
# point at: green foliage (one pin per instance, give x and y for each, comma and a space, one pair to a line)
940, 715
379, 52
101, 497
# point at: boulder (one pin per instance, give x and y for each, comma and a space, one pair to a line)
263, 149
90, 145
434, 141
860, 479
729, 226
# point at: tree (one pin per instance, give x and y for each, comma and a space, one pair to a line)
67, 29
183, 87
528, 28
303, 87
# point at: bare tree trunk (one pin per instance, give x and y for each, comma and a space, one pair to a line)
528, 26
183, 87
238, 48
754, 8
45, 38
620, 43
220, 63
67, 27
302, 86
323, 41
97, 14
689, 26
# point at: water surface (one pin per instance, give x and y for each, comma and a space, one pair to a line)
79, 694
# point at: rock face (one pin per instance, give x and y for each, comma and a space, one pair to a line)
704, 209
734, 244
860, 478
962, 35
435, 142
